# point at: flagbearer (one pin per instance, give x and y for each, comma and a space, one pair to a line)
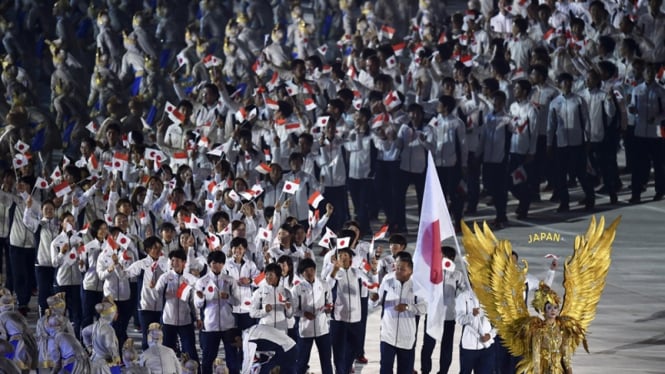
180, 316
215, 295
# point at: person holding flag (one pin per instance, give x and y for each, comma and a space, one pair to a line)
150, 268
271, 302
67, 256
215, 295
431, 281
179, 315
245, 273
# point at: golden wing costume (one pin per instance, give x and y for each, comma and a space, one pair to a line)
499, 283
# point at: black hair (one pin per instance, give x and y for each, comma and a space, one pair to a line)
217, 256
178, 253
305, 264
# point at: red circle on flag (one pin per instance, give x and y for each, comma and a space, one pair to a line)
288, 186
248, 302
158, 157
43, 184
123, 241
210, 289
72, 256
19, 161
21, 147
152, 154
265, 234
324, 121
325, 240
117, 164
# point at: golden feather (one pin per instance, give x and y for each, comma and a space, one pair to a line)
585, 273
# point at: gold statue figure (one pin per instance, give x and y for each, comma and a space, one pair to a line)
546, 342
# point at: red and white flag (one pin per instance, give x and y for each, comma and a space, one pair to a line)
264, 234
291, 88
391, 62
92, 127
291, 187
392, 101
210, 206
325, 240
315, 199
387, 32
213, 241
323, 49
21, 146
41, 183
210, 290
120, 161
19, 161
271, 104
263, 168
274, 82
71, 257
192, 221
173, 113
435, 226
322, 121
310, 104
93, 163
381, 233
259, 278
518, 175
211, 61
181, 58
57, 174
123, 240
343, 242
62, 189
399, 48
184, 290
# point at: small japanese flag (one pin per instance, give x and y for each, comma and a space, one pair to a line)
518, 175
21, 146
315, 199
213, 242
343, 242
264, 234
71, 257
210, 206
211, 61
19, 161
210, 290
144, 218
291, 88
291, 187
192, 221
257, 190
322, 49
173, 113
181, 58
448, 264
120, 161
211, 186
123, 240
57, 174
325, 240
322, 121
391, 62
92, 127
392, 101
41, 183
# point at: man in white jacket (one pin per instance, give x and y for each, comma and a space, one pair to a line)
477, 345
398, 318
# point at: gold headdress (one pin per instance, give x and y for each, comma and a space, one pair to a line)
543, 296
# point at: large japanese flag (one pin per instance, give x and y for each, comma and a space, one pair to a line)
435, 226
